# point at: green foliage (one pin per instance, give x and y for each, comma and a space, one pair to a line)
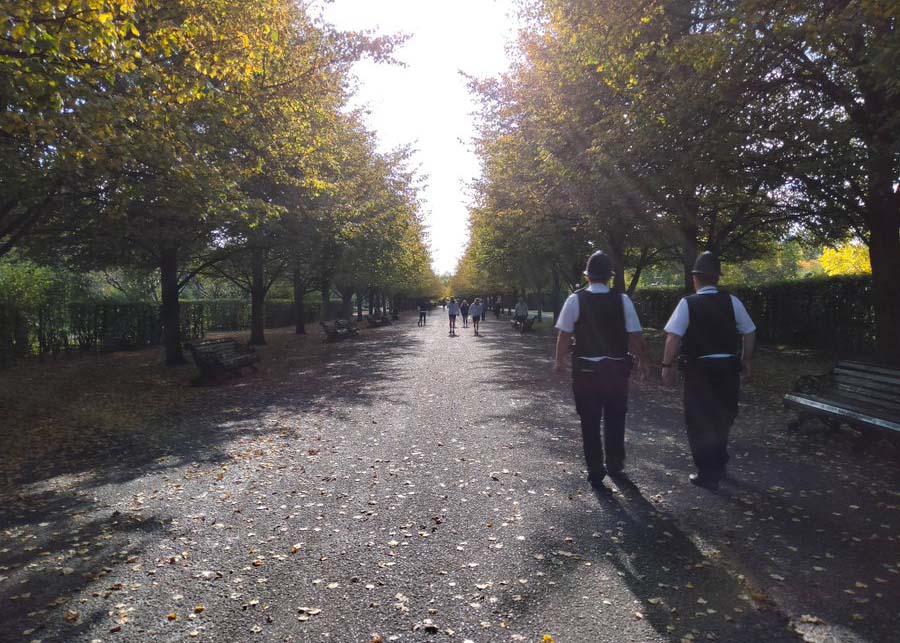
198, 137
655, 130
27, 285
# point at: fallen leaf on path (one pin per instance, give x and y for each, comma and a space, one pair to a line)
806, 618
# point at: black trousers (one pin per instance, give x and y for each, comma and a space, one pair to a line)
711, 389
601, 400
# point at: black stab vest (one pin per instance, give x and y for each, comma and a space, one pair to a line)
711, 327
600, 329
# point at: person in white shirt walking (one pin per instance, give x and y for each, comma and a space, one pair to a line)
715, 336
606, 329
476, 310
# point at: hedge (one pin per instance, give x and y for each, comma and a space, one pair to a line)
834, 313
61, 328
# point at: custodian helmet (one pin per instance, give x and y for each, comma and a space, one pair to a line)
598, 266
707, 264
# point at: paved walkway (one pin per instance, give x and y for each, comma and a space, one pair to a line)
408, 486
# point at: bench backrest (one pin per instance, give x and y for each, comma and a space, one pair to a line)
218, 347
213, 350
869, 384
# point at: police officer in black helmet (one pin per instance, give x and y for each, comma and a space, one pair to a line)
606, 329
715, 336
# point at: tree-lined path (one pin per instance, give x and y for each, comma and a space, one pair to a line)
419, 487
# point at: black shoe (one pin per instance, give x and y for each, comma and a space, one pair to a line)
618, 473
596, 479
614, 468
706, 482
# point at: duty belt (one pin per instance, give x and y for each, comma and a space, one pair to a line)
582, 365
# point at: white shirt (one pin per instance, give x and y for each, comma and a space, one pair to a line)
570, 311
521, 309
678, 322
475, 310
452, 308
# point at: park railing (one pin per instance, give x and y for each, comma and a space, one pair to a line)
99, 326
833, 313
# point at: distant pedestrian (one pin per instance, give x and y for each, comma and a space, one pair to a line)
606, 329
464, 311
715, 337
521, 314
498, 307
423, 312
476, 310
452, 312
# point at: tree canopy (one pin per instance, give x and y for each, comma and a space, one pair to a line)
660, 128
199, 137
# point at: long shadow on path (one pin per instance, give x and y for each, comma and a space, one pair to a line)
803, 535
72, 503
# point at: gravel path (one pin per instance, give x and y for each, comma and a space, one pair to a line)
409, 486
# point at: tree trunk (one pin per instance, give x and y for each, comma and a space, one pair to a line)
557, 295
258, 297
883, 220
540, 299
326, 299
371, 302
689, 233
645, 252
170, 313
20, 334
299, 309
359, 307
346, 304
617, 257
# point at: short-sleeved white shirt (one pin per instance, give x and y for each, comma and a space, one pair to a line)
475, 310
680, 319
570, 311
452, 308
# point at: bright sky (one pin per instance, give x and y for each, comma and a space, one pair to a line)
426, 104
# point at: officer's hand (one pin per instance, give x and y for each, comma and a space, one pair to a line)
559, 371
669, 376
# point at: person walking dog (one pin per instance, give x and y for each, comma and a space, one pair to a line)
715, 337
606, 329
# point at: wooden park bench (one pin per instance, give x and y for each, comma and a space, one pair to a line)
524, 326
864, 396
375, 321
220, 358
338, 329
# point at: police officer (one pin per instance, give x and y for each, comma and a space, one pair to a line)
606, 328
715, 337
